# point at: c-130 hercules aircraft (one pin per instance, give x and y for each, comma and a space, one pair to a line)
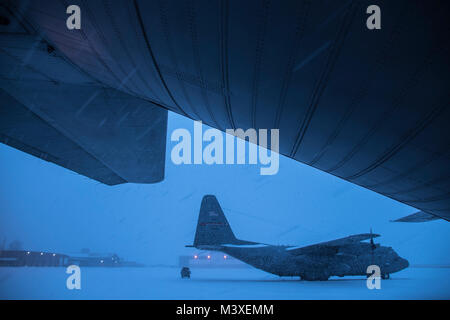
347, 256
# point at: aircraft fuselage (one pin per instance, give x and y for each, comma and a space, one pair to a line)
319, 264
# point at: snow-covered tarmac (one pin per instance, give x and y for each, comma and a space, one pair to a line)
165, 283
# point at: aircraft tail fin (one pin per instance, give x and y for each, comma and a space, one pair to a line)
213, 227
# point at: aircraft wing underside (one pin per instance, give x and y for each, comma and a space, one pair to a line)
368, 106
52, 110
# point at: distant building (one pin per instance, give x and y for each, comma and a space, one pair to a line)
23, 258
95, 260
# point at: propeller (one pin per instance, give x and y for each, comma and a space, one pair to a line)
371, 240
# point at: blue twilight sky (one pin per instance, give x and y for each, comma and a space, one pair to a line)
51, 208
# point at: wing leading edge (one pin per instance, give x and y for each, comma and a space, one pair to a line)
419, 216
331, 246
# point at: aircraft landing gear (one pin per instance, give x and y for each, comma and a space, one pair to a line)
385, 276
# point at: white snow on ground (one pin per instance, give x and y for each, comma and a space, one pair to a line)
165, 283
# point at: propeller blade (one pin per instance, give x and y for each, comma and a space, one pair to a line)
371, 239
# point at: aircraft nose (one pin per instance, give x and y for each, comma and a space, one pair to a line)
404, 263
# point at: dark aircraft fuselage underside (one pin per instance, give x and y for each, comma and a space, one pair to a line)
368, 106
